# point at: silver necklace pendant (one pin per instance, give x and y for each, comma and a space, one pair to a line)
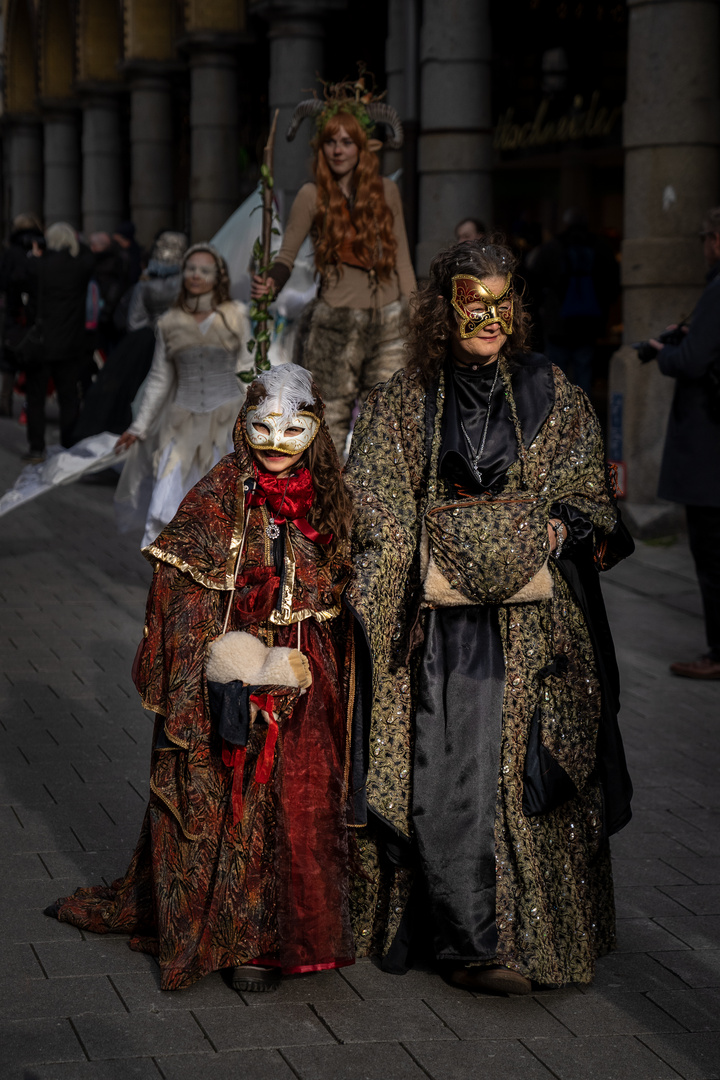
476, 457
272, 531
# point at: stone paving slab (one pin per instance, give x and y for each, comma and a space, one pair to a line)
696, 1010
28, 999
602, 1057
697, 968
353, 1062
383, 1021
693, 1056
482, 1017
634, 935
232, 1028
88, 955
487, 1060
115, 1035
73, 783
123, 1069
608, 1012
699, 932
248, 1065
36, 1042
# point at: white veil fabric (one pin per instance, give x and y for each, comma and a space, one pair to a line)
88, 456
235, 241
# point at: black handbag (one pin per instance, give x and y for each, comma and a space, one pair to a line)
27, 343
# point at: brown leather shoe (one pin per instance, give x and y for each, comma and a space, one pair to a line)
494, 979
704, 668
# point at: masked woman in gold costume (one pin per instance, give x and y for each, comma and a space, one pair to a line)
488, 768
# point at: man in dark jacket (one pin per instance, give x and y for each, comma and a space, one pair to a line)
575, 278
59, 281
25, 239
690, 471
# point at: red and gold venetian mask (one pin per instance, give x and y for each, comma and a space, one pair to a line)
487, 307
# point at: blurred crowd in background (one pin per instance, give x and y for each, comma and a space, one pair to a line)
92, 302
97, 300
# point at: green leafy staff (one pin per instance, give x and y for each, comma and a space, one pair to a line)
263, 256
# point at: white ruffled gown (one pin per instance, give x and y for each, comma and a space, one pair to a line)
184, 427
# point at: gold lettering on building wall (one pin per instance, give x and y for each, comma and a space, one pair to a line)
595, 122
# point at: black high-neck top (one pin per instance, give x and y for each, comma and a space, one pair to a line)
467, 390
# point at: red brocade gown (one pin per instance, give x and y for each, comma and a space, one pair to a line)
204, 891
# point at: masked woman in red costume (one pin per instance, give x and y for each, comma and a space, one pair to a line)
355, 330
242, 862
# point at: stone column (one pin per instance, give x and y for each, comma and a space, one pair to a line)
401, 65
296, 38
672, 130
24, 164
214, 140
151, 147
396, 72
62, 168
102, 165
296, 59
455, 148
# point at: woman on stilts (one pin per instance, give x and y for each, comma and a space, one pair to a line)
354, 332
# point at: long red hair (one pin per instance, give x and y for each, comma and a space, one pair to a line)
375, 244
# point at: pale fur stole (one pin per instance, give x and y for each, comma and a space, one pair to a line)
241, 657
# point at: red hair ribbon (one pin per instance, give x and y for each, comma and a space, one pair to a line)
234, 756
263, 769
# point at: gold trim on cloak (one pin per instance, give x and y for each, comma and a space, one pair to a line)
176, 814
152, 552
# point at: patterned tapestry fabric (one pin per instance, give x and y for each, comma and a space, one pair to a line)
203, 893
554, 888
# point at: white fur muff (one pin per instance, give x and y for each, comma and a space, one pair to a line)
238, 656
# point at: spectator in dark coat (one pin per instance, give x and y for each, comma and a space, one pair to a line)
124, 237
576, 278
113, 273
107, 405
690, 471
26, 236
59, 281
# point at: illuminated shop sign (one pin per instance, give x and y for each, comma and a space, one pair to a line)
579, 123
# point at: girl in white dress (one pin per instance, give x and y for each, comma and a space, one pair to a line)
192, 396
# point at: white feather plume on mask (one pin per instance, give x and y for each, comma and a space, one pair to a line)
289, 390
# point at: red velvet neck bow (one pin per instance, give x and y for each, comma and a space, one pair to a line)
289, 498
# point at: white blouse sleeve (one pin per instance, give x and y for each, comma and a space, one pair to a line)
242, 328
157, 387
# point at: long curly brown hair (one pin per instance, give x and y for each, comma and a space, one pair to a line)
332, 510
433, 320
375, 244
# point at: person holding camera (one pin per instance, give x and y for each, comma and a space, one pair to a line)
690, 472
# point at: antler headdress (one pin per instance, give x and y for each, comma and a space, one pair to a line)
355, 99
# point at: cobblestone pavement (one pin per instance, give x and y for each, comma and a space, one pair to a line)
74, 751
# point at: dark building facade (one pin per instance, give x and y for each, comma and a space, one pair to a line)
157, 110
